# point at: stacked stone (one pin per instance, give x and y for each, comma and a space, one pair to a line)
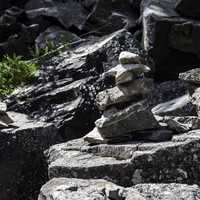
125, 108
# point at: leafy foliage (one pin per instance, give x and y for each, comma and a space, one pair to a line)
14, 72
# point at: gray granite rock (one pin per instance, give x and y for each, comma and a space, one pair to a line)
66, 86
127, 73
135, 117
122, 93
22, 166
182, 124
129, 163
191, 76
73, 189
126, 57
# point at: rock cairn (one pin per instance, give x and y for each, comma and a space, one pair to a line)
125, 106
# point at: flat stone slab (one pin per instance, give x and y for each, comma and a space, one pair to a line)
126, 57
122, 93
133, 118
127, 73
74, 189
129, 163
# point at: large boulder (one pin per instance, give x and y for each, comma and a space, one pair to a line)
170, 40
22, 167
73, 189
129, 163
65, 88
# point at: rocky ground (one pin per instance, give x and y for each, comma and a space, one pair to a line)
115, 114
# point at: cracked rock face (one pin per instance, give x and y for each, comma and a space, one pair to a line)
129, 163
66, 86
73, 189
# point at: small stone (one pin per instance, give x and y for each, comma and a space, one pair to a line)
94, 137
126, 57
127, 73
133, 118
122, 94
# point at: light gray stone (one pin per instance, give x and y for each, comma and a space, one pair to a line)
191, 76
74, 189
126, 57
122, 93
127, 73
133, 118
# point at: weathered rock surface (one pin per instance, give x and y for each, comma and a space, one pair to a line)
179, 106
135, 117
126, 57
22, 166
73, 189
65, 88
129, 163
169, 39
182, 124
192, 76
122, 93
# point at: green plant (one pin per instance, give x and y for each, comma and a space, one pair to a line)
15, 72
38, 52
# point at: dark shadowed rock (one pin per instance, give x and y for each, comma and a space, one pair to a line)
169, 39
22, 166
68, 13
109, 16
65, 88
189, 8
182, 124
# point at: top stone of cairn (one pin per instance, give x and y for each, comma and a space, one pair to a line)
126, 57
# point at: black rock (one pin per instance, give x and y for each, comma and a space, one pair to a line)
189, 8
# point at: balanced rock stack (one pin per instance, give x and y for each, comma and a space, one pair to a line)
125, 108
